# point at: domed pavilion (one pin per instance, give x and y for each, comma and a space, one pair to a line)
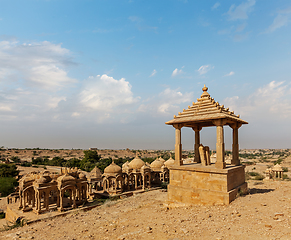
206, 183
112, 179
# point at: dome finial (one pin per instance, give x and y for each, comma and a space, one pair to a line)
205, 93
204, 89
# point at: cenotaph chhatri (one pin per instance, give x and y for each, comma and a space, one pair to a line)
202, 182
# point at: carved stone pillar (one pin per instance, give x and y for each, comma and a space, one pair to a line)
74, 198
61, 201
220, 162
58, 198
135, 181
47, 200
197, 144
20, 200
178, 145
235, 146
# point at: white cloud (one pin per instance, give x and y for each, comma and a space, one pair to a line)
75, 114
241, 27
104, 93
33, 80
177, 72
141, 26
279, 21
204, 69
153, 73
241, 11
37, 64
135, 19
229, 74
216, 5
167, 102
270, 102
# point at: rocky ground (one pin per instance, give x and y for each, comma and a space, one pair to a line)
262, 214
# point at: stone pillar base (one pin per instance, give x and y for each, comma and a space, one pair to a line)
196, 184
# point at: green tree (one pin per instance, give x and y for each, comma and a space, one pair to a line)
8, 170
15, 159
91, 156
7, 185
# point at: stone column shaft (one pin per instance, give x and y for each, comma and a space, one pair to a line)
178, 146
220, 163
235, 147
197, 144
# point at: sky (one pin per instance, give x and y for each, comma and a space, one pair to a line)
109, 74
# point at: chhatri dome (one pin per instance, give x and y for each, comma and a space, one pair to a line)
136, 163
157, 163
169, 162
113, 168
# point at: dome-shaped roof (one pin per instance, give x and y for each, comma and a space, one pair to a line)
66, 178
42, 179
125, 164
82, 176
277, 167
169, 162
157, 163
113, 168
136, 163
95, 172
161, 159
27, 178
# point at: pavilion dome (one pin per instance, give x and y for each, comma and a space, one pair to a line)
136, 163
95, 172
112, 169
82, 176
157, 163
66, 178
169, 162
43, 179
27, 178
125, 164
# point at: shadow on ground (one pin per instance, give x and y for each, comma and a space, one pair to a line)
259, 190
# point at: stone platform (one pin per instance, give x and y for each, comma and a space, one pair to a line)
206, 185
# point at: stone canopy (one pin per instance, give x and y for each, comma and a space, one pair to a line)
206, 112
202, 182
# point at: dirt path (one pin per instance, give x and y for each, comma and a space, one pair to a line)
263, 214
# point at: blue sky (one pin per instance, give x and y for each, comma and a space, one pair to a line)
109, 74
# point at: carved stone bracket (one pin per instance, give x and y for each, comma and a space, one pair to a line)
197, 128
219, 122
235, 125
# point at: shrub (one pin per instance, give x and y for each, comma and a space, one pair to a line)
15, 159
7, 185
8, 170
19, 223
254, 174
25, 164
285, 176
2, 214
279, 161
259, 177
285, 169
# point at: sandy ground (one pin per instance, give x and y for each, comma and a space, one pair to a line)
263, 214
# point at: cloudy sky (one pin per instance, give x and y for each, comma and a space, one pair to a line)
109, 74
